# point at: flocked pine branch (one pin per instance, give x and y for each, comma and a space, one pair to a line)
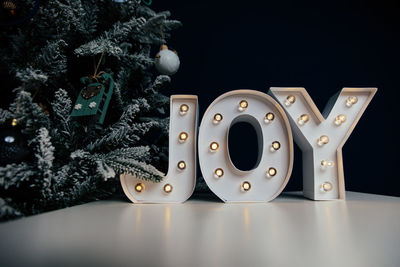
14, 175
123, 160
62, 121
44, 153
109, 42
28, 113
4, 115
52, 59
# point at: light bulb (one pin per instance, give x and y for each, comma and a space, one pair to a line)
275, 146
181, 165
9, 139
214, 146
323, 140
351, 100
271, 172
217, 118
167, 188
139, 187
183, 109
341, 118
269, 117
327, 163
243, 105
303, 119
290, 100
246, 186
183, 136
326, 187
218, 173
14, 122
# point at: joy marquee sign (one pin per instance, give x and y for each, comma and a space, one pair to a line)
276, 117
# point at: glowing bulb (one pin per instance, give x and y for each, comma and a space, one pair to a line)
217, 118
9, 139
303, 119
271, 172
351, 100
181, 165
275, 146
218, 173
340, 119
183, 136
323, 140
139, 187
327, 163
290, 100
183, 109
325, 187
243, 105
245, 186
214, 146
167, 188
14, 122
269, 117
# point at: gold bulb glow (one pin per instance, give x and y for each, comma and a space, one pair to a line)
183, 136
214, 146
183, 109
269, 117
327, 163
326, 187
351, 100
243, 105
246, 186
167, 188
14, 122
275, 146
271, 172
217, 118
323, 140
290, 100
218, 173
303, 119
341, 118
181, 165
139, 187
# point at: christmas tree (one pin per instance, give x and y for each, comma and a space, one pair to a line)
57, 152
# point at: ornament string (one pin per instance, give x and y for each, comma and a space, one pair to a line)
96, 67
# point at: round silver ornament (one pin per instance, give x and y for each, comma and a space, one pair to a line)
167, 61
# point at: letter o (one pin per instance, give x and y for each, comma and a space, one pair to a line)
274, 168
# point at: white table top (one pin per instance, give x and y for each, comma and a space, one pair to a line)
362, 231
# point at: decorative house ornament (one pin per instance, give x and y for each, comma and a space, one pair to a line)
95, 97
178, 185
222, 177
322, 136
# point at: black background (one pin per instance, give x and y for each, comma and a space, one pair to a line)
322, 46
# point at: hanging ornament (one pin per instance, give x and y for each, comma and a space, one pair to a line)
94, 98
13, 145
167, 61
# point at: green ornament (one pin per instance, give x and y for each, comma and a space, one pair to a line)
94, 98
